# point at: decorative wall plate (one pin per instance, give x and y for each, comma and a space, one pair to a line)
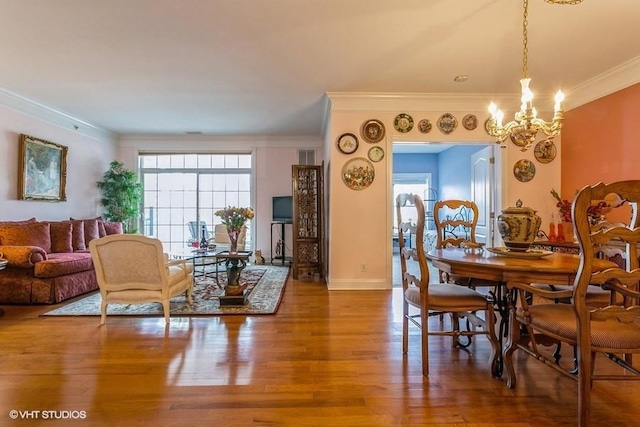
447, 123
470, 122
424, 125
376, 153
347, 143
403, 123
358, 173
545, 151
372, 131
518, 142
524, 170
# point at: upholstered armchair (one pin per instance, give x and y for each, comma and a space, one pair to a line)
133, 269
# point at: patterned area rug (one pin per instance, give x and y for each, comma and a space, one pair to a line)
265, 287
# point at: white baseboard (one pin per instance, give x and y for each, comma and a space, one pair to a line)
358, 285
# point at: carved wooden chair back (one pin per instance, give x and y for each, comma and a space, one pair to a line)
610, 330
456, 222
422, 299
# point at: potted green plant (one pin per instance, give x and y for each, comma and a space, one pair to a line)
121, 195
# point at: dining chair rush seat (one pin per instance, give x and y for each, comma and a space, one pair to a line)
422, 299
612, 330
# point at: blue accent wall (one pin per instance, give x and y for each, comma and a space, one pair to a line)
450, 170
417, 163
454, 170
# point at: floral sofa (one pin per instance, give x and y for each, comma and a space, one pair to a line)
49, 261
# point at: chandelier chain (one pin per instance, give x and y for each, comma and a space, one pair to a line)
525, 49
563, 1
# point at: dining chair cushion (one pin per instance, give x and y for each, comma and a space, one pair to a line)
560, 320
448, 296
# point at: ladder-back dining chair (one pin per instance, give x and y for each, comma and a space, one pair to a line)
613, 330
422, 299
456, 222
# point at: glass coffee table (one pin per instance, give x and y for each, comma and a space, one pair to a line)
200, 260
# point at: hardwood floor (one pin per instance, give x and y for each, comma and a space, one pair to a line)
325, 359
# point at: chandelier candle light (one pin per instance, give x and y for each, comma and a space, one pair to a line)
524, 128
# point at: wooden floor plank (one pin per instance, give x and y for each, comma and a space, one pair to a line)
326, 358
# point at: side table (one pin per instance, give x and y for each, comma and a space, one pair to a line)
234, 292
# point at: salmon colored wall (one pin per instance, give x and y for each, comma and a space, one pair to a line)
601, 141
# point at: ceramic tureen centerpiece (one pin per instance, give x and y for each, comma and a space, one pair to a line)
518, 227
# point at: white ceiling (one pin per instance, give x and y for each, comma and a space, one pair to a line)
241, 67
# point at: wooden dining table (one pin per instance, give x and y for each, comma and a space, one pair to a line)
552, 268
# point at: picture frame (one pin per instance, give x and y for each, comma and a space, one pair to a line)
42, 169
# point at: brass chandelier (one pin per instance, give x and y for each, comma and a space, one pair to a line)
523, 130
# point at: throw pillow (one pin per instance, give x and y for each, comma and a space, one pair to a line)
22, 222
32, 234
61, 233
91, 231
77, 235
101, 229
111, 227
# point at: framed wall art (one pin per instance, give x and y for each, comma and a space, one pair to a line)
42, 169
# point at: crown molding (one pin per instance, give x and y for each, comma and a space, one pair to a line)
53, 116
613, 80
370, 101
222, 142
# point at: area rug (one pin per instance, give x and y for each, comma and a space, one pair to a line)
265, 288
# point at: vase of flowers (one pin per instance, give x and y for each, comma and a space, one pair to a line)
234, 219
595, 213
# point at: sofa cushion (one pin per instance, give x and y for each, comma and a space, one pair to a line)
113, 227
24, 221
101, 228
32, 234
62, 264
77, 235
61, 233
91, 231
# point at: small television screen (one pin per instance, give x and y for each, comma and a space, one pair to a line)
283, 209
